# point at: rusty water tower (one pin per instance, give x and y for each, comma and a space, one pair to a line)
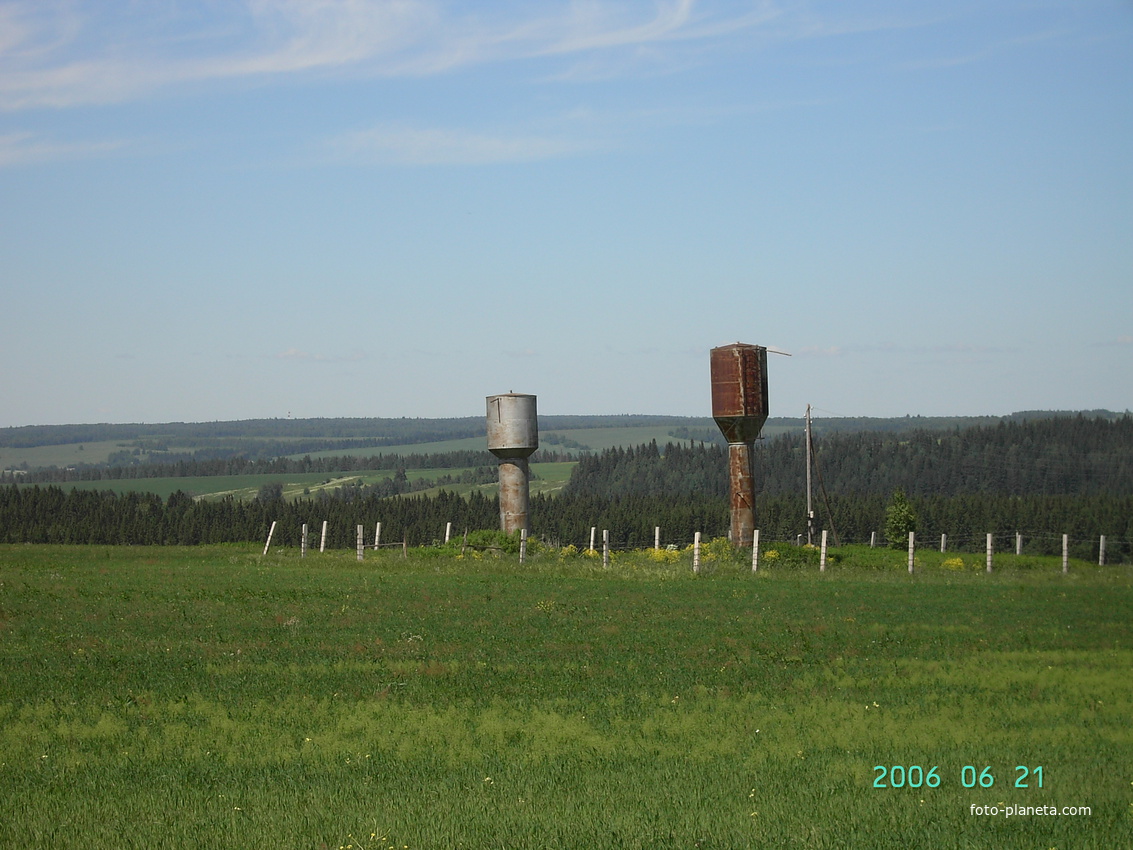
739, 406
513, 434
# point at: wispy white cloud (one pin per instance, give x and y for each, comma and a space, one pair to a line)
59, 54
406, 145
575, 132
27, 148
855, 20
983, 52
55, 53
596, 26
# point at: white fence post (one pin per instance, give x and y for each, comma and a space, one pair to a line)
1066, 553
1101, 552
989, 548
872, 539
361, 543
755, 551
303, 543
448, 533
522, 543
1018, 543
606, 548
323, 542
377, 536
912, 548
592, 530
656, 537
822, 555
696, 553
271, 531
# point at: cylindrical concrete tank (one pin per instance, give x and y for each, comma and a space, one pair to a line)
513, 434
739, 406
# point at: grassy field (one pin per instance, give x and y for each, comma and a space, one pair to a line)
63, 455
213, 698
547, 478
594, 439
71, 454
597, 439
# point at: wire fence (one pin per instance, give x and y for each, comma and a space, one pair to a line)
1103, 549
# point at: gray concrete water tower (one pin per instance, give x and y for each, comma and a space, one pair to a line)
513, 434
739, 406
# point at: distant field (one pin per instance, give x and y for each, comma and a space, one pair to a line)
474, 444
596, 439
61, 456
72, 454
548, 478
239, 486
599, 439
210, 697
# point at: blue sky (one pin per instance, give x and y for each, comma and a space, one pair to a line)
231, 209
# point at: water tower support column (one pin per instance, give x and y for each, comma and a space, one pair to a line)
742, 481
513, 434
739, 406
514, 494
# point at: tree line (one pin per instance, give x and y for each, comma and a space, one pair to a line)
1058, 456
1071, 456
49, 514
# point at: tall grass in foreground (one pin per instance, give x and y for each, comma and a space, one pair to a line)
213, 698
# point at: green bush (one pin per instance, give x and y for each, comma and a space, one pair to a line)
900, 519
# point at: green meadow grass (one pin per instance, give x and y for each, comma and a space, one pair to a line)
210, 697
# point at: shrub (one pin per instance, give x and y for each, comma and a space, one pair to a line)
900, 519
663, 556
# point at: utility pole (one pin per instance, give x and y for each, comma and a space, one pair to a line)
809, 505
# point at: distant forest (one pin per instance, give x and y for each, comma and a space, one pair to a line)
1042, 477
1062, 456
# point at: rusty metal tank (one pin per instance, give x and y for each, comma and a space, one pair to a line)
513, 434
739, 406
